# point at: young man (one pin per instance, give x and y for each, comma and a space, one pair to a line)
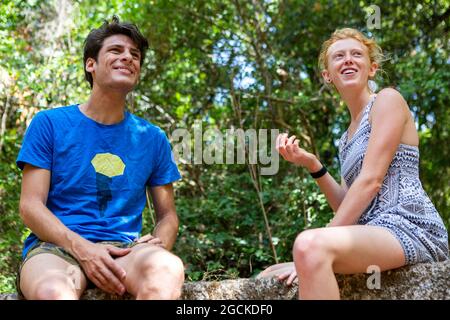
85, 172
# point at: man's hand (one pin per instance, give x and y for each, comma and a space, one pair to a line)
99, 266
148, 238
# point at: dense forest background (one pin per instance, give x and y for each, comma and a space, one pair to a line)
249, 64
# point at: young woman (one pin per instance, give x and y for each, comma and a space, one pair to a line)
383, 217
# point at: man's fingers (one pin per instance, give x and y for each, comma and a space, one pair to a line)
113, 281
99, 280
114, 251
155, 241
118, 271
145, 238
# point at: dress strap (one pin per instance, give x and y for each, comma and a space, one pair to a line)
370, 104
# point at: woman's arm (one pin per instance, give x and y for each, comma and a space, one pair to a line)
290, 151
389, 116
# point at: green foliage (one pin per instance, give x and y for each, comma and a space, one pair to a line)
222, 232
229, 64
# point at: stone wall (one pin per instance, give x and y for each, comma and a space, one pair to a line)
422, 281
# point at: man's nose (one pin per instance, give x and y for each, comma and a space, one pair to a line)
126, 56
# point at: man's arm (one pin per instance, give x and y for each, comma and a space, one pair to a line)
166, 228
95, 260
34, 213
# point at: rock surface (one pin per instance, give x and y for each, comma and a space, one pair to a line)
422, 281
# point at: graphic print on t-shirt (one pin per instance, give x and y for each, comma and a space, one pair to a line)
107, 166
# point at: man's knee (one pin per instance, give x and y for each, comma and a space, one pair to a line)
53, 288
163, 262
161, 276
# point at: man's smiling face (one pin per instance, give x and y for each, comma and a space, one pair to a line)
118, 64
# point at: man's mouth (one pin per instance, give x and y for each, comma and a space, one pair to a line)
124, 69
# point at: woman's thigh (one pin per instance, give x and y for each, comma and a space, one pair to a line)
355, 248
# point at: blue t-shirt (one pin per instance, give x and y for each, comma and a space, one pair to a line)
98, 172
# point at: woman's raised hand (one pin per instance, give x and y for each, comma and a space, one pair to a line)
289, 149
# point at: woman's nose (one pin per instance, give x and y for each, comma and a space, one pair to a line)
348, 59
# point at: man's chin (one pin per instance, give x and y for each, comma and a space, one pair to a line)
125, 86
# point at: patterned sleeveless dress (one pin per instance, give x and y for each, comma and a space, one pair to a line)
401, 205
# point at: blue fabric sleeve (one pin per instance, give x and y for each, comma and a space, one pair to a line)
165, 169
37, 145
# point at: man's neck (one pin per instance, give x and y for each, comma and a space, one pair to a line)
105, 108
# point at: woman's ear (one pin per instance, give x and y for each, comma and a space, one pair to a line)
326, 76
373, 70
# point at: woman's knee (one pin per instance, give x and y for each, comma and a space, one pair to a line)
311, 250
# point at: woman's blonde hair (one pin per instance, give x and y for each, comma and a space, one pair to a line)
375, 52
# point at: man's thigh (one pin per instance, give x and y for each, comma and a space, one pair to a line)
46, 267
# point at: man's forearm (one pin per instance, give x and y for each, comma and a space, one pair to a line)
166, 229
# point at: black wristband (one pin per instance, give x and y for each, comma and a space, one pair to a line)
320, 173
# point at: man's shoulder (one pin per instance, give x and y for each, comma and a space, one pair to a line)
145, 127
57, 112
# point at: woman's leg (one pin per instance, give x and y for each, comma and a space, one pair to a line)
320, 253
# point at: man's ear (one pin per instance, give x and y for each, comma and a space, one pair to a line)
90, 62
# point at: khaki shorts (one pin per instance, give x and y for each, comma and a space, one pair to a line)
47, 247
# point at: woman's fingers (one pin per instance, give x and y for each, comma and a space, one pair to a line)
284, 275
277, 142
290, 141
289, 275
283, 139
291, 278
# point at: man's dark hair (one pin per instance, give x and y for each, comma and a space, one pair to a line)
95, 38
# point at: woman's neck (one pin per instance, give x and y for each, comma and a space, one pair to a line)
356, 100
